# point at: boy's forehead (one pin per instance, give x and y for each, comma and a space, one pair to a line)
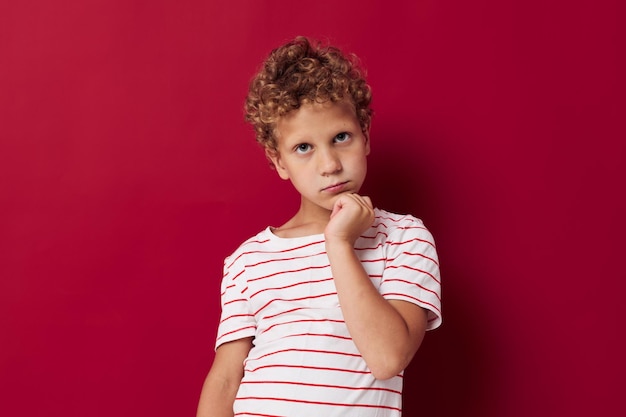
308, 108
303, 119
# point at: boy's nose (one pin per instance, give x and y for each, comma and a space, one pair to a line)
328, 162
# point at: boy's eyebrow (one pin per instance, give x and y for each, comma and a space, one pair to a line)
296, 139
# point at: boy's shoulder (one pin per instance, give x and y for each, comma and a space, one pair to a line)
265, 244
254, 242
391, 221
392, 227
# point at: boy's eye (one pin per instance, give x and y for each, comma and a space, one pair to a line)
342, 137
303, 148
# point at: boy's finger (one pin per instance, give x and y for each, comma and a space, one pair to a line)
365, 200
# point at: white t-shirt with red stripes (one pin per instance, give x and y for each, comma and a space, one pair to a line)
304, 363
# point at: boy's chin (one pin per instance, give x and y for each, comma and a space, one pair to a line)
327, 205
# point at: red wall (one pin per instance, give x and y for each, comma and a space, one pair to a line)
127, 175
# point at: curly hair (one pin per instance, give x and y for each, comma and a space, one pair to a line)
304, 71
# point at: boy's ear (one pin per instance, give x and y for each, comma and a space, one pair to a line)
366, 133
274, 157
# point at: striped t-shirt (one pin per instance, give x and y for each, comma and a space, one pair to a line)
281, 292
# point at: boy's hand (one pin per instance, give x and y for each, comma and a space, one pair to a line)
352, 214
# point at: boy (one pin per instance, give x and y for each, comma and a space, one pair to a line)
321, 315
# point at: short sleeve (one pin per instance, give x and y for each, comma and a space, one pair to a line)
237, 320
412, 269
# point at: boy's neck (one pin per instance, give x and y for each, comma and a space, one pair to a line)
305, 222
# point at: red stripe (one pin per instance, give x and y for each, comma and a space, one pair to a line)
235, 301
235, 316
395, 244
320, 403
294, 299
285, 312
413, 283
375, 236
412, 240
399, 218
414, 269
286, 259
373, 260
226, 289
235, 331
411, 228
393, 391
329, 352
321, 335
317, 281
423, 256
385, 295
280, 251
369, 248
379, 223
303, 321
288, 272
236, 276
314, 368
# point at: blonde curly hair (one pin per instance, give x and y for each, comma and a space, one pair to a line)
304, 71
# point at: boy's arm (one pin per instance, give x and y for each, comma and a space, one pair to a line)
222, 382
387, 333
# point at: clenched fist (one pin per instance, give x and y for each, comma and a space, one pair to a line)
352, 215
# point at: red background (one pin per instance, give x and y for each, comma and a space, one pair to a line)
127, 175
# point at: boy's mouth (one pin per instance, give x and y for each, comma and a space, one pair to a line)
335, 188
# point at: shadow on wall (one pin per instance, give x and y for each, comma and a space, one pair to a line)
452, 373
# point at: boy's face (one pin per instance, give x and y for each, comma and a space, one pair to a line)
322, 150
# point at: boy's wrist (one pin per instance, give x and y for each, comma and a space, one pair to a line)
338, 244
